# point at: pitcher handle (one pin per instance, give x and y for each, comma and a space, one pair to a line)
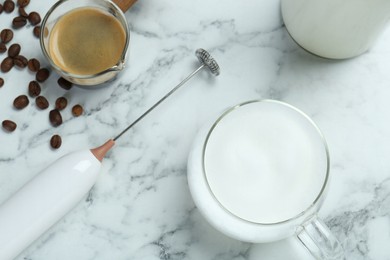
124, 5
319, 240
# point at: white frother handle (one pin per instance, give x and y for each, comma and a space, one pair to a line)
44, 200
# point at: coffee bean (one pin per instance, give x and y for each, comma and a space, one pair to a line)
1, 82
55, 117
42, 75
77, 110
34, 65
9, 125
61, 103
37, 31
8, 6
23, 12
34, 18
19, 22
13, 50
41, 102
20, 61
55, 141
7, 64
21, 102
63, 83
34, 89
3, 47
6, 35
23, 3
1, 8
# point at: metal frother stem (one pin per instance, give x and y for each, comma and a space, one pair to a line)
206, 62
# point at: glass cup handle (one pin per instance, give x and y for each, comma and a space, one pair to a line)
319, 240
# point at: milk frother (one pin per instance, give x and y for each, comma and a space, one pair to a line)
53, 192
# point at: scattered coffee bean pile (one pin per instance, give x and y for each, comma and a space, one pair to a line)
16, 59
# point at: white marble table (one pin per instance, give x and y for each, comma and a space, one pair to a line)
141, 207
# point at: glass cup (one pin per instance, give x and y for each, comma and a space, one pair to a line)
305, 224
64, 6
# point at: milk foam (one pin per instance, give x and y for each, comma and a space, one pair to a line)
265, 162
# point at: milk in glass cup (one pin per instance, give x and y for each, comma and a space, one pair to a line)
259, 173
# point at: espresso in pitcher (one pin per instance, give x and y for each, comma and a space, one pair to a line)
87, 41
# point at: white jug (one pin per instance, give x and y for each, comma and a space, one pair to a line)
335, 29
